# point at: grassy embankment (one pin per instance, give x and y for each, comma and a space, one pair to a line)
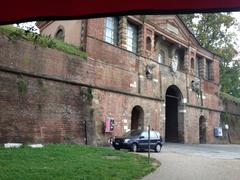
14, 33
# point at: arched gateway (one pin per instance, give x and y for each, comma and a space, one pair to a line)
174, 128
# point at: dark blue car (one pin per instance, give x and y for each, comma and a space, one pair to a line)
136, 140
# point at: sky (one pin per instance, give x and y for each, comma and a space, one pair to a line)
237, 31
26, 25
237, 16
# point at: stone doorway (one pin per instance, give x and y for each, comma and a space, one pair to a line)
202, 130
137, 118
174, 128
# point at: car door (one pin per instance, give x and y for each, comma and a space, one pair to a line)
143, 140
153, 139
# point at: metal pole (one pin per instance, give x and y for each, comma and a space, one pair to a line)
228, 134
85, 127
148, 144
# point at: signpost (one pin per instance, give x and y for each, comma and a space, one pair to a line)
148, 144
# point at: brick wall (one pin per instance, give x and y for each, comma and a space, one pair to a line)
52, 105
119, 107
41, 111
58, 111
232, 118
37, 103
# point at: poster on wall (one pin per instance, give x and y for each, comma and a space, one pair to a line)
109, 124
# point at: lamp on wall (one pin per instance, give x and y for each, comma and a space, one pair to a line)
184, 100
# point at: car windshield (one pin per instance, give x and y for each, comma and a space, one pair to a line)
132, 133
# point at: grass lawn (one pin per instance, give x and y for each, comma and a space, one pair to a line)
63, 161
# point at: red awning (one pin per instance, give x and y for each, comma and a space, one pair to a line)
24, 10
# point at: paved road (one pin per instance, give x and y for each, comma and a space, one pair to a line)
197, 162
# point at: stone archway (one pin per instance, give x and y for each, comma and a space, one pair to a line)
174, 128
202, 130
137, 118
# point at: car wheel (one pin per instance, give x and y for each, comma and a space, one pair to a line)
158, 148
117, 148
134, 147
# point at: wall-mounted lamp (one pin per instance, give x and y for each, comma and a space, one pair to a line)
184, 100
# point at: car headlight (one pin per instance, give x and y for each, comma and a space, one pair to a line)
126, 140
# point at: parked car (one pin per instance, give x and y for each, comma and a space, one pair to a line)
136, 140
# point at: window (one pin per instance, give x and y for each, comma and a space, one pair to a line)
198, 66
161, 57
111, 30
145, 134
60, 34
209, 69
132, 38
153, 135
180, 56
192, 63
148, 43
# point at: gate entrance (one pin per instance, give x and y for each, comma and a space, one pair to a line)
174, 131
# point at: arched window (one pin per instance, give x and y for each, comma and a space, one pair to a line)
161, 57
148, 43
60, 34
137, 118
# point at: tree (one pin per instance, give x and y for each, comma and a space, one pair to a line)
215, 32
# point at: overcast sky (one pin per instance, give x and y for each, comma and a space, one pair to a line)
237, 31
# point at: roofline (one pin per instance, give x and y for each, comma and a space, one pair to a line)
42, 24
46, 23
196, 38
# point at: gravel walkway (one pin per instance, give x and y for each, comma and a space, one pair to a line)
197, 162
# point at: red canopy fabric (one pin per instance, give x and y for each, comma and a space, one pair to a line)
23, 10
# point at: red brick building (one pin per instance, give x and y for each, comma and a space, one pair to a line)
143, 70
153, 70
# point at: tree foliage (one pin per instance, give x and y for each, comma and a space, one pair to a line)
216, 32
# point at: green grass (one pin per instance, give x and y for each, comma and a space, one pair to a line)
15, 33
72, 162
